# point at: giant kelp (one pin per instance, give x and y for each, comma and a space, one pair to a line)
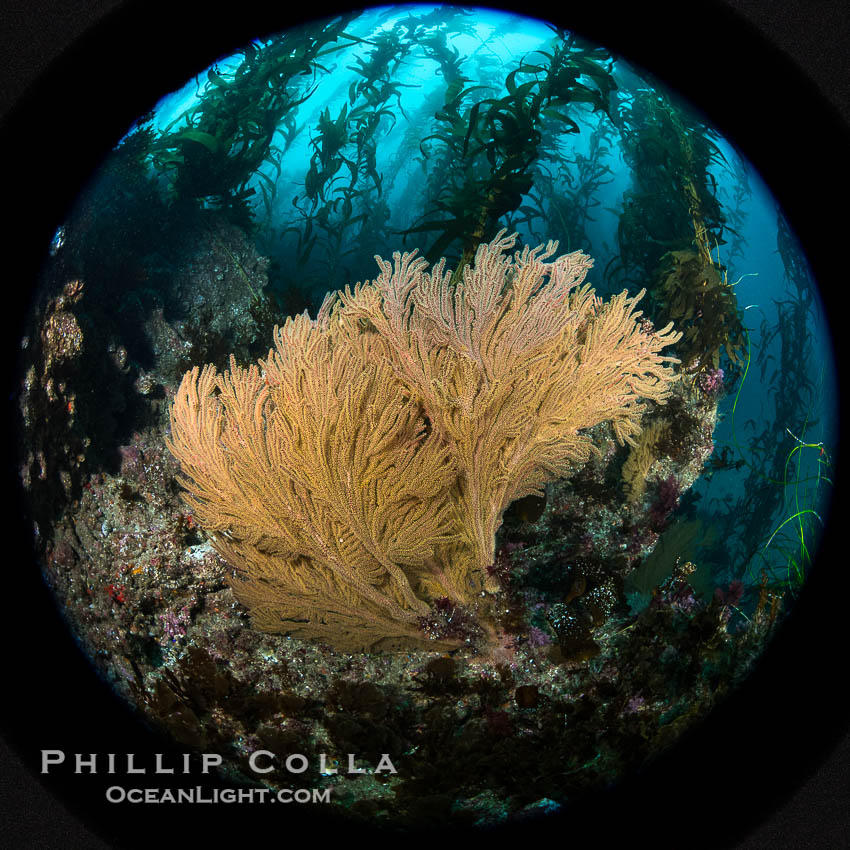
342, 187
213, 150
772, 530
481, 147
490, 145
672, 225
341, 218
565, 197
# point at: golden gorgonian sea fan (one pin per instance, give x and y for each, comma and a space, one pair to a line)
361, 471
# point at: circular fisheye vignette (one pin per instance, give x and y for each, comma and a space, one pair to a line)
227, 206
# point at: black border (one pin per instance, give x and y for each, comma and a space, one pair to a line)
719, 785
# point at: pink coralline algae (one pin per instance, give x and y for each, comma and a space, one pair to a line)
174, 624
733, 595
711, 381
635, 704
537, 637
665, 502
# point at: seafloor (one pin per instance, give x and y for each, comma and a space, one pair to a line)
607, 641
